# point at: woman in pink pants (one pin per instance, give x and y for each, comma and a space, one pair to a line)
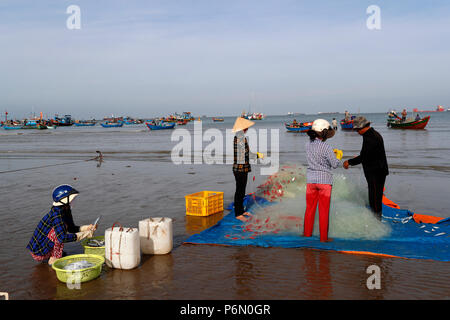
319, 179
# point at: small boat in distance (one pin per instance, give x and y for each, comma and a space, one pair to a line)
62, 122
84, 124
253, 116
159, 125
12, 127
409, 123
112, 124
298, 127
217, 119
347, 125
182, 122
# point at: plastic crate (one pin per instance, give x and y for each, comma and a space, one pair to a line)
204, 203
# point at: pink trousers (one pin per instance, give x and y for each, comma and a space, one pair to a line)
57, 250
321, 194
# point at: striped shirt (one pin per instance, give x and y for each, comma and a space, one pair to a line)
321, 159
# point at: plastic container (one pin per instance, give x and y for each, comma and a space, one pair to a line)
122, 247
93, 250
156, 235
204, 203
81, 275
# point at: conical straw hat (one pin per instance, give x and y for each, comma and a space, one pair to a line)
242, 124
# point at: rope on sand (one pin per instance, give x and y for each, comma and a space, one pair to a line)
97, 158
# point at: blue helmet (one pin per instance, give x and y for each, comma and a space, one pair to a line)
62, 192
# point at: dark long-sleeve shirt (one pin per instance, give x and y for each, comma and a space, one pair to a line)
373, 155
60, 219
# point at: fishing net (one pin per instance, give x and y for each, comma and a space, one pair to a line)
284, 208
278, 208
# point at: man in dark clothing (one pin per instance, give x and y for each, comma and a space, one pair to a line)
373, 160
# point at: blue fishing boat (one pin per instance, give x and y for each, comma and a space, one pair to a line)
159, 125
84, 124
6, 127
298, 127
347, 125
112, 125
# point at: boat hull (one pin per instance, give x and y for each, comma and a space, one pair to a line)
159, 127
84, 124
302, 127
346, 125
116, 125
413, 125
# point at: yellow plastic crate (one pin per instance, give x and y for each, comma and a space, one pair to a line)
204, 203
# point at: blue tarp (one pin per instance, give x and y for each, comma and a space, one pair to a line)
408, 239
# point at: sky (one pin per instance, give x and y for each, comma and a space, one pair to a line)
217, 58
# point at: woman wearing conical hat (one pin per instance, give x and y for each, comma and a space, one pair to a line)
241, 165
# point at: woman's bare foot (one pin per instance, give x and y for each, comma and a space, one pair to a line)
242, 218
51, 260
248, 214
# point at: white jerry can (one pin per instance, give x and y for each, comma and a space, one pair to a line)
156, 235
122, 247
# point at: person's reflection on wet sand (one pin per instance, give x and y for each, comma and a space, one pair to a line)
244, 274
42, 289
317, 274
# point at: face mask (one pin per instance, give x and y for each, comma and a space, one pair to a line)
65, 200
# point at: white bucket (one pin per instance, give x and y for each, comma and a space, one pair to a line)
156, 235
122, 247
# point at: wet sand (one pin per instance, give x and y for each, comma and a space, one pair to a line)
137, 180
197, 272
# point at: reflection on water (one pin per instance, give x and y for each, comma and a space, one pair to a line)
317, 275
196, 224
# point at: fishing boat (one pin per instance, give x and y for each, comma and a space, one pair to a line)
218, 119
84, 124
253, 116
62, 122
409, 123
13, 127
112, 124
346, 125
131, 122
182, 122
34, 124
187, 116
298, 127
155, 125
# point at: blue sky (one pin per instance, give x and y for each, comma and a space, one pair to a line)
147, 58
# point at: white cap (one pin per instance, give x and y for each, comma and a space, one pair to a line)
320, 124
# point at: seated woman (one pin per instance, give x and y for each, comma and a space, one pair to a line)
57, 227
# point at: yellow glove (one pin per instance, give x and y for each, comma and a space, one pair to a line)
260, 155
338, 153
